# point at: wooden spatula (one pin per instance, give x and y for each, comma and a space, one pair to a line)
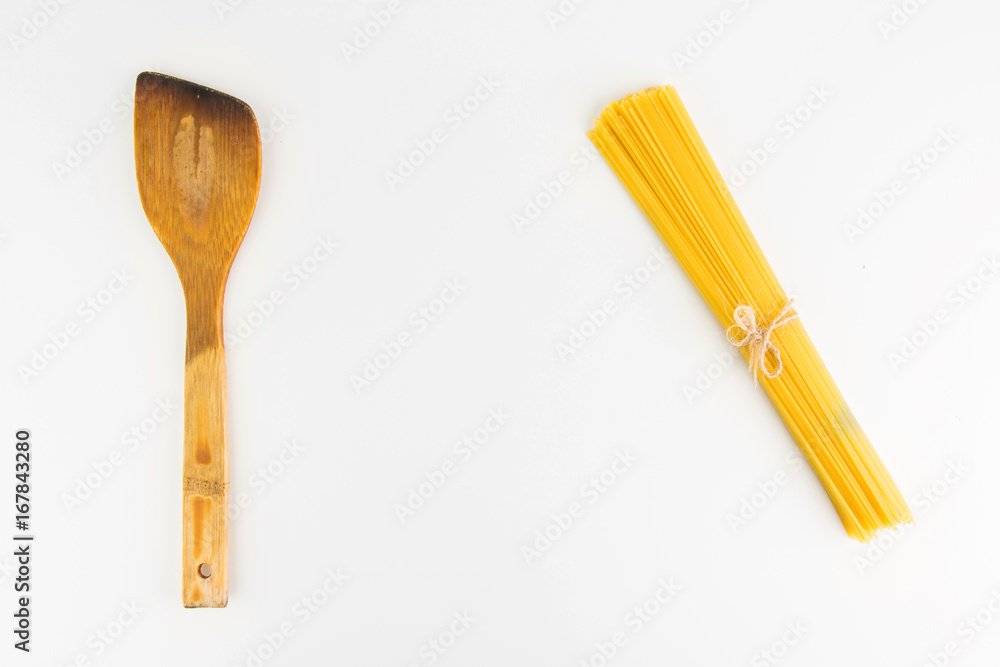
197, 161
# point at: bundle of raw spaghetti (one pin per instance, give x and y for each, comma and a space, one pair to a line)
651, 143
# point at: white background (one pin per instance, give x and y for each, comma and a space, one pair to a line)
495, 346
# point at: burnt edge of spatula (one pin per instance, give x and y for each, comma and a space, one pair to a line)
149, 81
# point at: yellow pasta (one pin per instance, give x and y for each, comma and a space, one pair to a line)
651, 143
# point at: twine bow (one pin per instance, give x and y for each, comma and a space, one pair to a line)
758, 339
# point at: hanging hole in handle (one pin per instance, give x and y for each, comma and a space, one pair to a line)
205, 570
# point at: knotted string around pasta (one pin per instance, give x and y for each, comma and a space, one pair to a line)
758, 339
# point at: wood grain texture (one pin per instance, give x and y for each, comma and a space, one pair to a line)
197, 161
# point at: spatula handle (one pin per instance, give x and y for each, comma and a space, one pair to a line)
205, 560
